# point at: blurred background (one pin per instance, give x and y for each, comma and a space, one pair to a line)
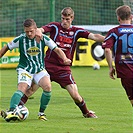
87, 12
93, 15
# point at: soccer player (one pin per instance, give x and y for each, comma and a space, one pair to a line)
119, 43
31, 67
65, 35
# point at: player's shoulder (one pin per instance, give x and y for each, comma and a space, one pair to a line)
122, 28
45, 37
114, 28
20, 37
78, 29
54, 23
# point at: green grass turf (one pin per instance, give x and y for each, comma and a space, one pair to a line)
103, 95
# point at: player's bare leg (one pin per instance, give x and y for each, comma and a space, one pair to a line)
79, 101
29, 92
34, 87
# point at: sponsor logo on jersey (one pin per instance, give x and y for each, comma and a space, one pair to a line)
33, 51
63, 32
125, 30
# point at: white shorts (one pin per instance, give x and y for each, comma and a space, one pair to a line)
26, 77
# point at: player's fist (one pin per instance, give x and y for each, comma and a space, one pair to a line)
67, 61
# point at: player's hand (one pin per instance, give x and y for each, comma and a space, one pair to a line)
112, 73
39, 35
67, 61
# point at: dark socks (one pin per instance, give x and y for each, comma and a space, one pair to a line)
82, 107
23, 100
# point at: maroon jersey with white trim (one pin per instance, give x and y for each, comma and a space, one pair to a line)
65, 39
120, 40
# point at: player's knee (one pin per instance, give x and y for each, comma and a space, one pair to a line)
47, 87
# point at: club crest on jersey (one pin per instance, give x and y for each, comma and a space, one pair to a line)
33, 51
71, 33
125, 30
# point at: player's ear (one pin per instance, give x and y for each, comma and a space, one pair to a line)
72, 18
131, 17
118, 18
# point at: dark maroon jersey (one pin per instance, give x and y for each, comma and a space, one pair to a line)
66, 39
120, 40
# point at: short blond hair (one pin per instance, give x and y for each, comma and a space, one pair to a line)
67, 11
124, 12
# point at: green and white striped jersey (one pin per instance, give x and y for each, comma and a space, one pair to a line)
31, 52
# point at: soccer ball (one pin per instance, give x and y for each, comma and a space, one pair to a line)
22, 111
96, 66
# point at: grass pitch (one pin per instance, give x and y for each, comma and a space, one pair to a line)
103, 95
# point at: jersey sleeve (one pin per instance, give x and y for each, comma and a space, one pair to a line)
109, 40
49, 42
13, 44
47, 28
82, 33
50, 27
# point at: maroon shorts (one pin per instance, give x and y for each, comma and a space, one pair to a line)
127, 83
63, 79
60, 74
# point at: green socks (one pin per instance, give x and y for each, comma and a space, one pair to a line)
45, 98
15, 100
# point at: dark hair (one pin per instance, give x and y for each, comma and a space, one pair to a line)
29, 22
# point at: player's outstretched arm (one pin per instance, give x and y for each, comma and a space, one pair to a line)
62, 55
3, 50
96, 37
